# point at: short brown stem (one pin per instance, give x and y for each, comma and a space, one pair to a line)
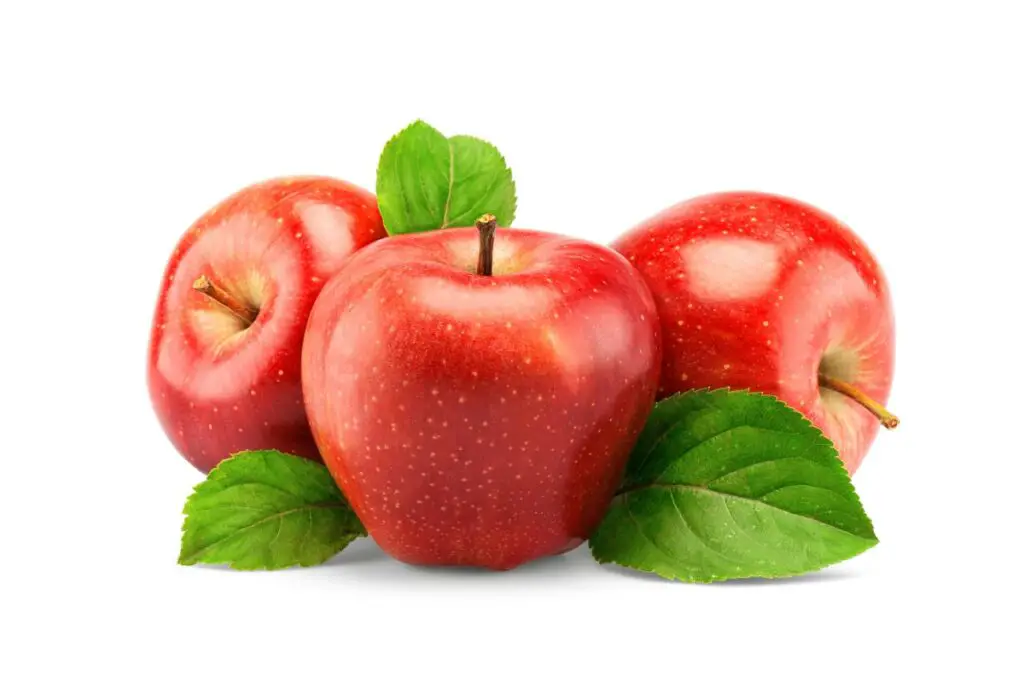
487, 225
243, 311
888, 420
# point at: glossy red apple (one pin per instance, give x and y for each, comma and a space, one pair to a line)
763, 292
476, 419
225, 345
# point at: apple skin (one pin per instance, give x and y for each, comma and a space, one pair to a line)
476, 420
216, 386
757, 291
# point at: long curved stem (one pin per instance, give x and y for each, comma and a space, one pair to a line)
888, 420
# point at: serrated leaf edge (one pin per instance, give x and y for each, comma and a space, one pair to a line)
380, 160
870, 542
715, 578
507, 171
848, 481
195, 557
192, 559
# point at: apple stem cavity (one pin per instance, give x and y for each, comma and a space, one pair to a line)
487, 225
244, 312
888, 420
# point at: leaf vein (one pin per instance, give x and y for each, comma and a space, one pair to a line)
671, 556
756, 501
235, 532
451, 182
693, 531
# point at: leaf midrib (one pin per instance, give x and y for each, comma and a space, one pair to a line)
693, 487
309, 507
714, 437
451, 182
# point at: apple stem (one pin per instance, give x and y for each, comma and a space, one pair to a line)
487, 225
888, 420
244, 312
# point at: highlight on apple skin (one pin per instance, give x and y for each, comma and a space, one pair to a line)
758, 291
478, 409
224, 354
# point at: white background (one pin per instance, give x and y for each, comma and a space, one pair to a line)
122, 124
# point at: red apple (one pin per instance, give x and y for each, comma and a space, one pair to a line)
763, 292
225, 346
474, 418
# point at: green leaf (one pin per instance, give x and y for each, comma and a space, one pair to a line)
426, 181
732, 484
266, 510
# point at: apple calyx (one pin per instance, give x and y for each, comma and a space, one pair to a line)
888, 420
487, 225
243, 311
